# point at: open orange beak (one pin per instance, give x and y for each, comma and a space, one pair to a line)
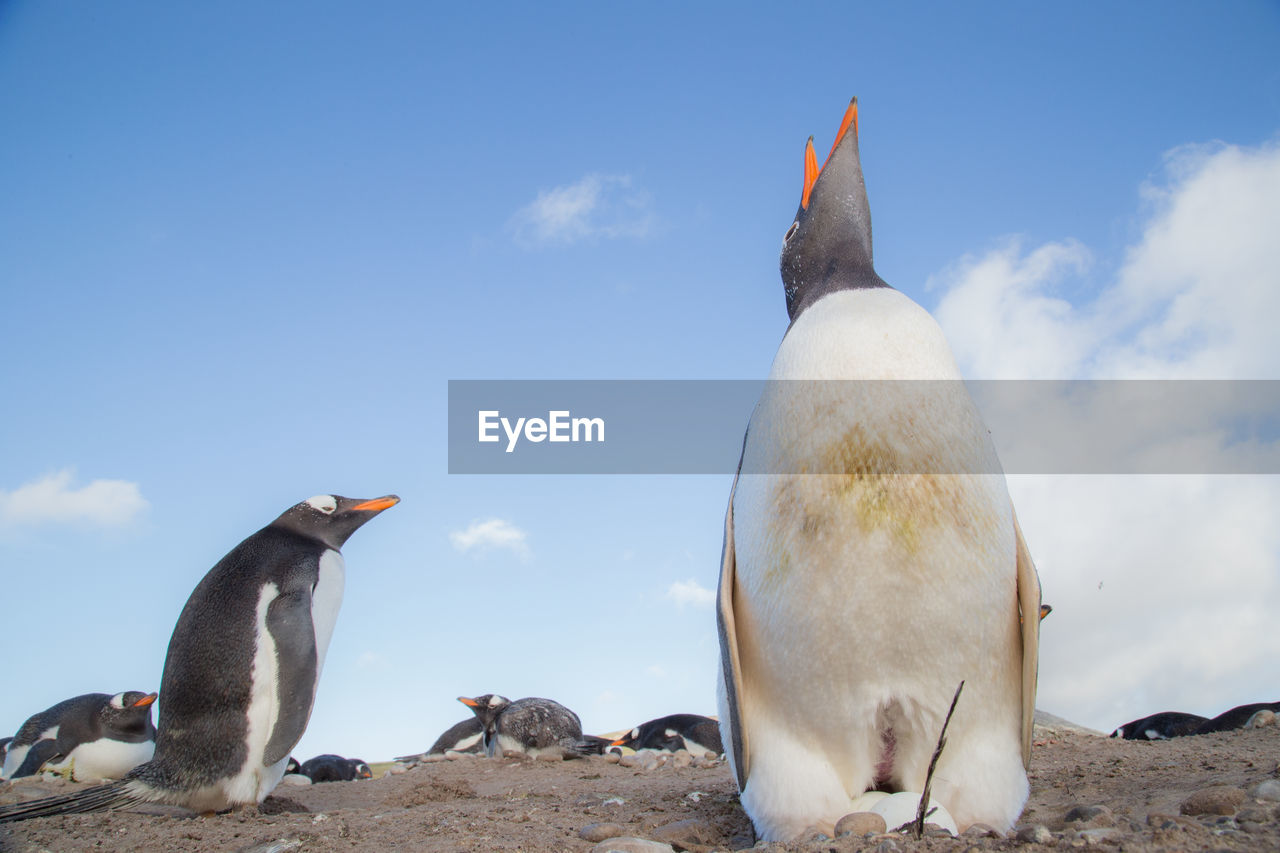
811, 168
146, 700
378, 504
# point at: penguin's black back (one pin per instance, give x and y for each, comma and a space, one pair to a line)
83, 709
207, 682
1235, 718
695, 727
1166, 724
538, 723
470, 727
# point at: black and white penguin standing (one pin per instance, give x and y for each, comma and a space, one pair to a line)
242, 668
533, 726
693, 732
95, 737
872, 560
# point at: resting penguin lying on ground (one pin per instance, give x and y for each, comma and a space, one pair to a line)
872, 560
693, 732
243, 664
533, 726
91, 738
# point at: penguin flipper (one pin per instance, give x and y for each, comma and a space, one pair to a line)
289, 621
730, 660
1029, 607
41, 753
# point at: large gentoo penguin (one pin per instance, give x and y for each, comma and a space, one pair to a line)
1236, 718
242, 668
872, 560
531, 725
1160, 726
92, 738
693, 732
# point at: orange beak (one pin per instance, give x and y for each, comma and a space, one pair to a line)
1045, 610
850, 118
811, 168
470, 703
377, 504
619, 742
146, 700
810, 172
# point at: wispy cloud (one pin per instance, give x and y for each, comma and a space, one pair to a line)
1173, 578
495, 533
52, 500
597, 206
691, 593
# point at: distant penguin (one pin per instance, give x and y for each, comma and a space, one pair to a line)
4, 749
334, 768
693, 732
242, 668
96, 737
465, 737
1236, 718
1162, 726
531, 725
872, 559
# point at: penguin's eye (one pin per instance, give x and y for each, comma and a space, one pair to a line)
791, 232
324, 503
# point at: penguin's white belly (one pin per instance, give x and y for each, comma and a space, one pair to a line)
17, 754
870, 587
326, 600
105, 759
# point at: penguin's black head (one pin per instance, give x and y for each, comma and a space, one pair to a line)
629, 739
331, 518
129, 712
486, 707
828, 246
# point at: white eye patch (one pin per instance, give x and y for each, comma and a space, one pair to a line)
117, 701
325, 503
494, 701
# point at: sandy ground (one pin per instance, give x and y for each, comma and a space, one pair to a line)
1136, 796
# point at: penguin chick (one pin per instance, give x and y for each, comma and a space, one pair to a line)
95, 737
242, 667
693, 732
531, 725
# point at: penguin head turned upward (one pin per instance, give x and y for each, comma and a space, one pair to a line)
486, 707
828, 246
331, 519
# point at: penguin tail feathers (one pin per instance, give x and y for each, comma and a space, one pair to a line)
115, 795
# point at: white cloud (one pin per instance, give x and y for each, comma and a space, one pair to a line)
488, 535
52, 500
691, 593
1195, 298
656, 671
597, 206
1163, 587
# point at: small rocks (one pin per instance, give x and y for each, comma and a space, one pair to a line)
1268, 791
860, 823
595, 832
982, 830
1035, 834
1089, 817
693, 834
1098, 835
631, 845
1219, 799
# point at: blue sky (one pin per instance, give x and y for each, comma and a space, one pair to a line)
243, 249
